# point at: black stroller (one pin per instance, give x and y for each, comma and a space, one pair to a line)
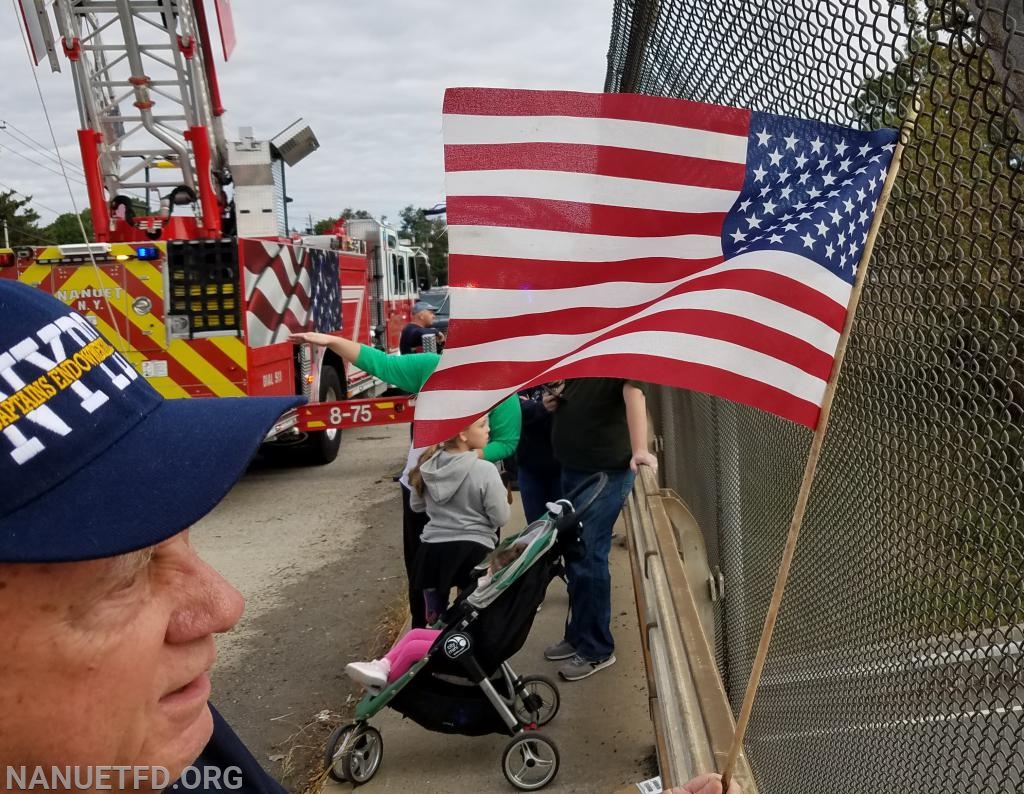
464, 684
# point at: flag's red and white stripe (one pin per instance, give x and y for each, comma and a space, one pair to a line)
277, 294
585, 240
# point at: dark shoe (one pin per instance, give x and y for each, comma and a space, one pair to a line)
578, 667
559, 651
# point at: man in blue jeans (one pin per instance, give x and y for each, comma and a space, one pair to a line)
600, 425
538, 473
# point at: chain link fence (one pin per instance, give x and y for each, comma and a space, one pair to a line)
897, 660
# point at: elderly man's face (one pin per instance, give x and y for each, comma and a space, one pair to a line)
425, 318
106, 662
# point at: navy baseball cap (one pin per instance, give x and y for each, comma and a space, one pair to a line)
93, 461
422, 306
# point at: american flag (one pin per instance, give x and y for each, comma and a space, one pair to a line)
289, 289
326, 301
663, 240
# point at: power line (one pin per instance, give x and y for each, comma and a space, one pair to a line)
57, 173
27, 140
67, 181
24, 138
35, 237
40, 165
30, 198
36, 146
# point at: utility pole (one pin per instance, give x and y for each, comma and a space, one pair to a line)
7, 237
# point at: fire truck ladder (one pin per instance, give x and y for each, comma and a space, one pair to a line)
147, 99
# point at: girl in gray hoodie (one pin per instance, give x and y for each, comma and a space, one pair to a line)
466, 503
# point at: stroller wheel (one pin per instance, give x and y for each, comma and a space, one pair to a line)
538, 701
362, 758
354, 752
336, 749
530, 761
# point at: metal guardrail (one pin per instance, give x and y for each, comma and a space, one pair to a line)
693, 723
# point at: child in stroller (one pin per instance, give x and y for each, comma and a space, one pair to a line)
464, 684
415, 643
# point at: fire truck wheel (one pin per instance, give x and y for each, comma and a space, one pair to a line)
321, 448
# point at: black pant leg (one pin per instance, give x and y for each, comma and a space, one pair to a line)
412, 527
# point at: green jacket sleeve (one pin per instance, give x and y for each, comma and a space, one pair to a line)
407, 372
410, 372
506, 420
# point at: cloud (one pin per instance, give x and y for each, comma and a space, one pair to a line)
368, 77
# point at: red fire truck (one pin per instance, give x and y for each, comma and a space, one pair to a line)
202, 295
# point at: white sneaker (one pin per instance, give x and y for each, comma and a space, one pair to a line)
372, 674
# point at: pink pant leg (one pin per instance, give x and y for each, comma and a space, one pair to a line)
408, 650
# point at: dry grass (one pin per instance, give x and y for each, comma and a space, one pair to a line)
302, 768
392, 623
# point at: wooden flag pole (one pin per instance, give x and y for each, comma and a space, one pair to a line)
812, 464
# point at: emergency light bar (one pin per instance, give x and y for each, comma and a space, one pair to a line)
85, 249
145, 252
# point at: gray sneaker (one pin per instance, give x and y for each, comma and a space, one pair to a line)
559, 651
578, 667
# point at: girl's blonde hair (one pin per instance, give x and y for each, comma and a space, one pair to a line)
415, 477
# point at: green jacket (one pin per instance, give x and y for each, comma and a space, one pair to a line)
410, 372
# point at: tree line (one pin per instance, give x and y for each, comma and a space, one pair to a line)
423, 231
23, 226
24, 229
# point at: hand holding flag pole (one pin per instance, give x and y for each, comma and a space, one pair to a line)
810, 468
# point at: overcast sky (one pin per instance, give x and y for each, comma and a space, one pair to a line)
368, 77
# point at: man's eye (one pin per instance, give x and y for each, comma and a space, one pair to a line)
132, 577
128, 581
